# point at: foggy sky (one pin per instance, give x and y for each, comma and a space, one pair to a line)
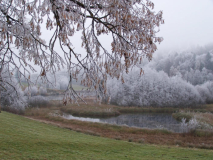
187, 23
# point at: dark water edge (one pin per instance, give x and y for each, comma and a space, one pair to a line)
146, 120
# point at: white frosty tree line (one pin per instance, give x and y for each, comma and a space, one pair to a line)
195, 66
156, 87
161, 86
132, 24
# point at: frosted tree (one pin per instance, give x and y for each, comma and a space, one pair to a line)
206, 91
194, 66
32, 91
154, 89
11, 94
131, 24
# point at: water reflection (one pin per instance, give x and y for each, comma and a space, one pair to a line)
148, 120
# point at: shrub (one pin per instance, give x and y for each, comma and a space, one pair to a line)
191, 126
38, 101
12, 99
43, 91
17, 108
33, 91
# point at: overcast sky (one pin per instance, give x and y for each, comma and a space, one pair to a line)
187, 23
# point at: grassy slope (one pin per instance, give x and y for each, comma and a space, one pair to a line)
21, 138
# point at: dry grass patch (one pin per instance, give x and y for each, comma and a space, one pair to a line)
90, 110
204, 117
105, 110
146, 110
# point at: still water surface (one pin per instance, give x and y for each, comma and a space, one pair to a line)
147, 120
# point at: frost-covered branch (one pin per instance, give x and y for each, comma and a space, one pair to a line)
130, 24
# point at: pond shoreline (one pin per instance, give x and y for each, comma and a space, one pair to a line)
131, 134
51, 114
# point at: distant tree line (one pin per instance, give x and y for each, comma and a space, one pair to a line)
180, 79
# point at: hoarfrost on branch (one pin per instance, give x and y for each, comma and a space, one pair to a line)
131, 24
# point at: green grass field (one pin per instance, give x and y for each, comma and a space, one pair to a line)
21, 138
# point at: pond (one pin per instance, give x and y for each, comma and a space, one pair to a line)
147, 120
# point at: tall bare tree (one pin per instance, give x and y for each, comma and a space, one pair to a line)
131, 24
